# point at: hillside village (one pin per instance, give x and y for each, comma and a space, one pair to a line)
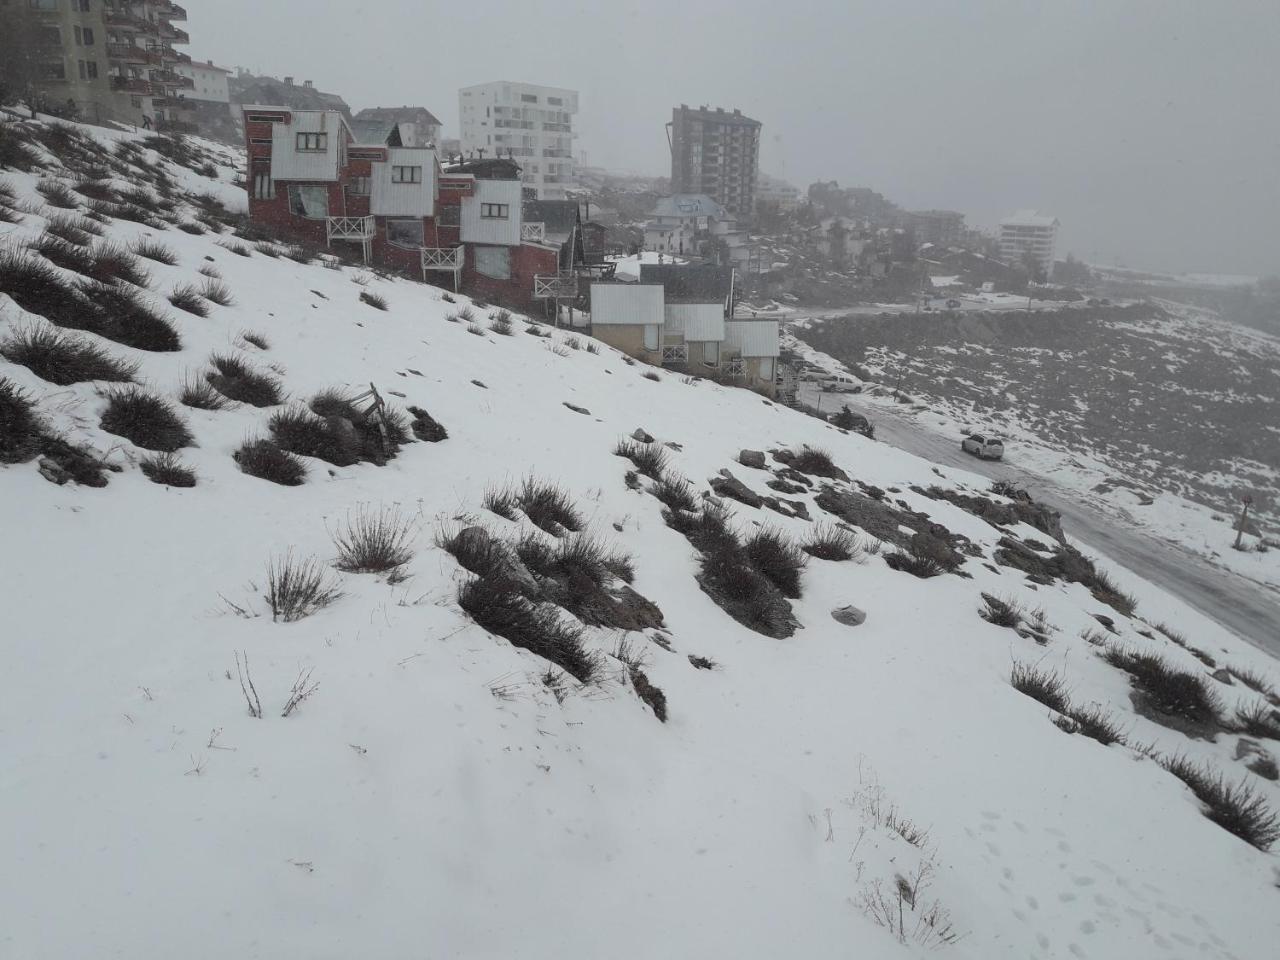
417, 545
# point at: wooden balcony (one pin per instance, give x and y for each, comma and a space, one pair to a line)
135, 85
128, 53
444, 260
675, 353
349, 228
555, 286
533, 232
175, 12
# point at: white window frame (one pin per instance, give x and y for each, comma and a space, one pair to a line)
495, 211
264, 188
406, 174
360, 186
295, 192
311, 143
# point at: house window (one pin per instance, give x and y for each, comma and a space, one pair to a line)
309, 200
651, 336
359, 186
405, 233
555, 101
313, 142
88, 36
495, 211
44, 4
261, 118
79, 35
88, 69
494, 262
406, 174
449, 215
53, 70
264, 187
528, 98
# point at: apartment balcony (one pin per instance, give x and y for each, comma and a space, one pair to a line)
555, 286
171, 79
134, 85
675, 353
127, 53
174, 34
175, 12
349, 228
533, 232
120, 18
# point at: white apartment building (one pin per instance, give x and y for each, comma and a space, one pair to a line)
1033, 231
531, 122
210, 82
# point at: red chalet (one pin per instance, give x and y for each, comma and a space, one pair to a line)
461, 225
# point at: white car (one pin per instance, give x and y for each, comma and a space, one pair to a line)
985, 448
835, 383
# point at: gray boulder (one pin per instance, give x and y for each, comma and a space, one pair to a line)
849, 615
752, 458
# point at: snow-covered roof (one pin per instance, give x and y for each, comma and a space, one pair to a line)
688, 205
626, 304
1029, 218
752, 338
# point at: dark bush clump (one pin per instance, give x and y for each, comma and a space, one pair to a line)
1104, 590
675, 492
239, 249
1237, 809
255, 339
63, 359
113, 263
549, 507
914, 561
373, 299
302, 432
167, 470
191, 227
476, 551
1094, 722
1259, 720
817, 462
14, 151
95, 190
500, 323
378, 436
187, 297
74, 230
216, 292
649, 693
262, 458
832, 542
236, 380
651, 375
145, 420
199, 393
649, 458
1168, 689
1045, 686
58, 194
154, 250
500, 500
37, 287
19, 425
425, 427
497, 607
1002, 613
64, 254
373, 541
298, 588
778, 558
125, 316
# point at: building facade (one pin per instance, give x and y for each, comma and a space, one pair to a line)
1029, 231
717, 153
945, 227
530, 123
208, 82
106, 60
310, 179
417, 126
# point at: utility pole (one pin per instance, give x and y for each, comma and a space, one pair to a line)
1246, 500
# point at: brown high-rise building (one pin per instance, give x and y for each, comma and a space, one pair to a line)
715, 152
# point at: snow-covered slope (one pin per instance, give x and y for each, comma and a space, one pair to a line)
434, 797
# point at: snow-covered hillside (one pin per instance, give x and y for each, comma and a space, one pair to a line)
442, 792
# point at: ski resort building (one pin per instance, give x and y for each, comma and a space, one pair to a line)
460, 226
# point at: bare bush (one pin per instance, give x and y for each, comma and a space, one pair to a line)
373, 541
297, 588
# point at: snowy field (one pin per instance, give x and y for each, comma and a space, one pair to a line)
444, 793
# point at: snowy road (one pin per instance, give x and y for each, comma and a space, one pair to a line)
1242, 606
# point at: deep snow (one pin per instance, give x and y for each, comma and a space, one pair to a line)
434, 799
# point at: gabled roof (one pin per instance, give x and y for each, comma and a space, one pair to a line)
392, 115
690, 283
487, 168
371, 131
688, 205
1029, 218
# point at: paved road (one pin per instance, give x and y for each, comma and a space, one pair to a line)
1246, 608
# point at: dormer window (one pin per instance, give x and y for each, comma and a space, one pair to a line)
313, 142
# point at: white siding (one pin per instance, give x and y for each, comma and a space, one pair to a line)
288, 164
697, 321
387, 199
634, 304
751, 338
477, 229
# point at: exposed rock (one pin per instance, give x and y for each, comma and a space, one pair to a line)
702, 663
752, 458
1260, 760
52, 472
885, 522
640, 434
1222, 676
730, 486
1021, 510
784, 486
788, 508
649, 693
425, 427
576, 409
849, 615
1106, 622
479, 384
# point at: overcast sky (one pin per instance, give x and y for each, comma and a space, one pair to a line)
1149, 127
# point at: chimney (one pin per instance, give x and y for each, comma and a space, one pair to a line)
307, 84
288, 81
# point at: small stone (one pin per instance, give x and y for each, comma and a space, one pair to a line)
850, 616
576, 409
642, 435
735, 489
1223, 676
752, 458
52, 472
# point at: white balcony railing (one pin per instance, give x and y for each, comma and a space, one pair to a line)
442, 258
536, 232
349, 228
736, 367
675, 353
555, 286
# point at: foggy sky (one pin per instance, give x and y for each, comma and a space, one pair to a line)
1151, 129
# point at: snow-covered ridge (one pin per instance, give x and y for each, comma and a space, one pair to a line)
434, 796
